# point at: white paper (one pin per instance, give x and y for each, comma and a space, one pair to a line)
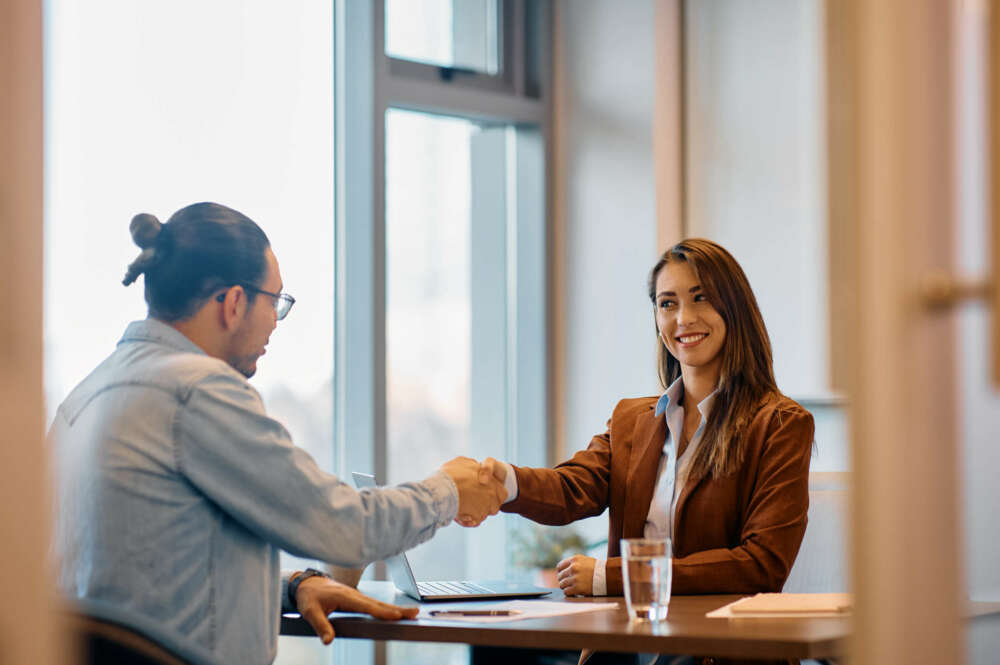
529, 609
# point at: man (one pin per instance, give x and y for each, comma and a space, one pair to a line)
176, 490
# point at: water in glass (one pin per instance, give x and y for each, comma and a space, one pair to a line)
647, 576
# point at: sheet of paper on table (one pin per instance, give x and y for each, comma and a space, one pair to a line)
528, 609
778, 605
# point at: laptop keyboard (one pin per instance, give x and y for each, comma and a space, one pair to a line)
450, 588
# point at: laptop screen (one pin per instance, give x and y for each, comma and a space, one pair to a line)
399, 568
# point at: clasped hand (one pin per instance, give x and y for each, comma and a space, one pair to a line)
480, 490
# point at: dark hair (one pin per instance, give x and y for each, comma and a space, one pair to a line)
201, 248
747, 375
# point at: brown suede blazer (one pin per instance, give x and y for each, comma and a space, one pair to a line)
737, 534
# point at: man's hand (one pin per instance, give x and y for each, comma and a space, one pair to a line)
479, 493
317, 597
494, 468
576, 575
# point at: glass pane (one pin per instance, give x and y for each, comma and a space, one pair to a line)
445, 302
450, 33
427, 307
240, 114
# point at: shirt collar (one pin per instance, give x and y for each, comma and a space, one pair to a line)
153, 330
670, 400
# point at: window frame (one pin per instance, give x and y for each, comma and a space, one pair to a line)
511, 56
367, 84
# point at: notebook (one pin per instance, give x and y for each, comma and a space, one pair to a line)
786, 605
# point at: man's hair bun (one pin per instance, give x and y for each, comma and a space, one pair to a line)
144, 229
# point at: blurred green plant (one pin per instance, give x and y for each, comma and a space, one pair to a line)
536, 546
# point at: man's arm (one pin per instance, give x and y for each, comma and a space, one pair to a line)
245, 462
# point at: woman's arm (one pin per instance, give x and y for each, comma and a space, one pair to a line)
575, 489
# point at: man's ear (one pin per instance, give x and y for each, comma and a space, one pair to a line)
234, 307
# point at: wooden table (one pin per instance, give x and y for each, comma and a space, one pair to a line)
686, 630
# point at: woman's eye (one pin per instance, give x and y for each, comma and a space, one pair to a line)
700, 297
664, 304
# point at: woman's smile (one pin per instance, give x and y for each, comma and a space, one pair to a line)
691, 340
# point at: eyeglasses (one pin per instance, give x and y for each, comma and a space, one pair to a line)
282, 301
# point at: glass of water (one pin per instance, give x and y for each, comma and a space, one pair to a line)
647, 574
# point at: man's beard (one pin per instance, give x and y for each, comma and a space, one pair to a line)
245, 365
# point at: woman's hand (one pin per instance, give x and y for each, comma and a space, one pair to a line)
576, 575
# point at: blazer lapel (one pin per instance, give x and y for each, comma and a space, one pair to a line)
682, 498
644, 461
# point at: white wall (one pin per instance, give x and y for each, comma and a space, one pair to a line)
756, 165
979, 400
755, 180
610, 225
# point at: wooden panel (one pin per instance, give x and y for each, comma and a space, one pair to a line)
668, 122
557, 263
24, 493
891, 184
993, 87
840, 64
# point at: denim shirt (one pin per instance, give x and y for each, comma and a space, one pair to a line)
175, 491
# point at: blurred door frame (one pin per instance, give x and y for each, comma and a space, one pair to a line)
892, 141
29, 630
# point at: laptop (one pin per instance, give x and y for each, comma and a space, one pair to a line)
402, 576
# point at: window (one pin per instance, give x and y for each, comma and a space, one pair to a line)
441, 232
449, 388
450, 317
241, 114
461, 35
428, 304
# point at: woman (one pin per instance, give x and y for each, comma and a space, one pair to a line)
719, 462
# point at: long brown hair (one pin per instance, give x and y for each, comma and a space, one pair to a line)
747, 375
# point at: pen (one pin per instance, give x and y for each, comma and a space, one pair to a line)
474, 613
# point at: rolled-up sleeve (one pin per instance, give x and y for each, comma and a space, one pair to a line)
245, 462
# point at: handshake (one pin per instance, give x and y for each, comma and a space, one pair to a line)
480, 488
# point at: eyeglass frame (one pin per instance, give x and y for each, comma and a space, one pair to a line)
278, 298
